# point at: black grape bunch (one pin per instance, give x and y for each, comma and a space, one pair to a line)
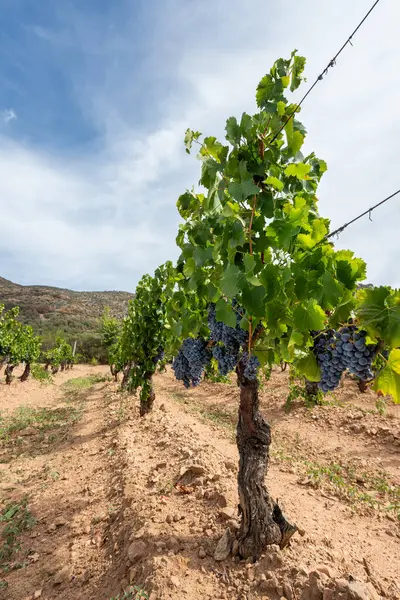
191, 361
343, 349
229, 344
159, 356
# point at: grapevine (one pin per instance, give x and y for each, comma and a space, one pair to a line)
136, 346
254, 246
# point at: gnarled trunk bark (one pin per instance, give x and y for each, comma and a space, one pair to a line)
54, 370
362, 386
262, 521
146, 404
26, 373
9, 373
114, 372
125, 377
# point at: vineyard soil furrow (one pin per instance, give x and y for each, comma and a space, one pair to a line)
124, 501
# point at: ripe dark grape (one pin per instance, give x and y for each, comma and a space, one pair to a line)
339, 350
226, 360
159, 356
191, 361
229, 341
252, 365
233, 337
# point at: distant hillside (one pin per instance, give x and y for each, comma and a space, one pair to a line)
52, 311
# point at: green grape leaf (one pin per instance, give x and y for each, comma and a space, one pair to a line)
309, 368
275, 182
388, 380
266, 204
379, 314
190, 267
296, 339
309, 316
190, 137
212, 147
232, 130
332, 291
270, 278
229, 281
253, 299
285, 80
241, 191
297, 71
264, 90
294, 138
299, 170
249, 262
225, 313
349, 270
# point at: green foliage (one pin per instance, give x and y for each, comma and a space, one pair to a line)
17, 519
18, 343
61, 354
256, 236
78, 384
135, 592
388, 379
42, 419
300, 388
40, 374
211, 373
378, 312
144, 330
111, 339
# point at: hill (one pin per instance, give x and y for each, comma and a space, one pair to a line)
52, 311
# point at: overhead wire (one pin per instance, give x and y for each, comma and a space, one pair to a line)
340, 229
331, 63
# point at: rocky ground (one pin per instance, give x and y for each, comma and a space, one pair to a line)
122, 507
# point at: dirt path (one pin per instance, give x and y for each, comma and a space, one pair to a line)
64, 468
102, 485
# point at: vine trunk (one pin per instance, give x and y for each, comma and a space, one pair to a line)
9, 373
147, 401
26, 373
262, 522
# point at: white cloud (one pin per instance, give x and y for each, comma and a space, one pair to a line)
8, 115
102, 219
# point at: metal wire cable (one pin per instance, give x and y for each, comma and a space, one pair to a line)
331, 63
366, 212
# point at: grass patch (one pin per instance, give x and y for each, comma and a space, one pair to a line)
16, 519
77, 384
42, 419
135, 593
372, 489
214, 413
40, 374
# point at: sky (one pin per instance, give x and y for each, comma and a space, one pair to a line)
95, 97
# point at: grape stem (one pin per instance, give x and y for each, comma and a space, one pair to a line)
251, 224
381, 356
253, 210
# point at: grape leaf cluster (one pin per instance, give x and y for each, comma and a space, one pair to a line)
343, 349
191, 361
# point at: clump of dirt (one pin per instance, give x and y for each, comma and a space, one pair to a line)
134, 508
